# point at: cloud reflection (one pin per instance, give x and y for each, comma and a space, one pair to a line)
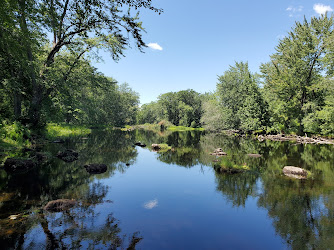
151, 204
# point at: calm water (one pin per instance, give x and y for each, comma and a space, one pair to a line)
173, 199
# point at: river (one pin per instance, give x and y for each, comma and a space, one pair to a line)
171, 199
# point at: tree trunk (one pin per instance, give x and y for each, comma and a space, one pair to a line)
17, 105
37, 90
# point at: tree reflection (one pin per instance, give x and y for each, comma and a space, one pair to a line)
84, 226
237, 187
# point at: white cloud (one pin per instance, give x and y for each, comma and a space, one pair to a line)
293, 10
151, 204
321, 9
154, 46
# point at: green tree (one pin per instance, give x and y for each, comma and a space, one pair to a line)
80, 26
240, 99
292, 77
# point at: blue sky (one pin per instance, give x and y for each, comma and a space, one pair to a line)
199, 40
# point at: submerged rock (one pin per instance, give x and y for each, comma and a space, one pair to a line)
13, 165
96, 168
68, 155
59, 205
295, 172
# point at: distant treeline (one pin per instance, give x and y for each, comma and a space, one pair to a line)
45, 81
294, 92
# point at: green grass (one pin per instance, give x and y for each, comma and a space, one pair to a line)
157, 127
13, 136
164, 147
64, 130
182, 128
227, 164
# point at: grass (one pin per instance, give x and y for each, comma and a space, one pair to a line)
182, 128
226, 165
164, 147
14, 136
65, 130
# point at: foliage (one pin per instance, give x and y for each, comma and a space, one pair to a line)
240, 99
295, 74
212, 118
14, 134
65, 130
30, 72
182, 108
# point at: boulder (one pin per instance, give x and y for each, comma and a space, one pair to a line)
59, 205
96, 168
68, 155
295, 172
13, 165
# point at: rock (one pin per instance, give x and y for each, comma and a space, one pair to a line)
96, 168
140, 144
218, 152
13, 165
14, 216
295, 172
156, 146
254, 155
68, 155
59, 205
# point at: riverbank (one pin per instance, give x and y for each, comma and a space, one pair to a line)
158, 127
313, 139
16, 137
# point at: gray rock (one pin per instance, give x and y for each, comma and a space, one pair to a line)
295, 172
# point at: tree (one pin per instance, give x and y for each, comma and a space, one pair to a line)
181, 108
240, 99
79, 26
148, 113
295, 70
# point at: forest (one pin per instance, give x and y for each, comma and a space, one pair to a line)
47, 50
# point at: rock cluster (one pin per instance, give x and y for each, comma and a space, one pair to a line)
298, 139
218, 152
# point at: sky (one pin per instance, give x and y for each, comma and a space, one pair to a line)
193, 42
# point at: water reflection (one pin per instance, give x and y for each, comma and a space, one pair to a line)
301, 212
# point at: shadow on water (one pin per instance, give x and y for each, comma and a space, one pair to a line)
301, 211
